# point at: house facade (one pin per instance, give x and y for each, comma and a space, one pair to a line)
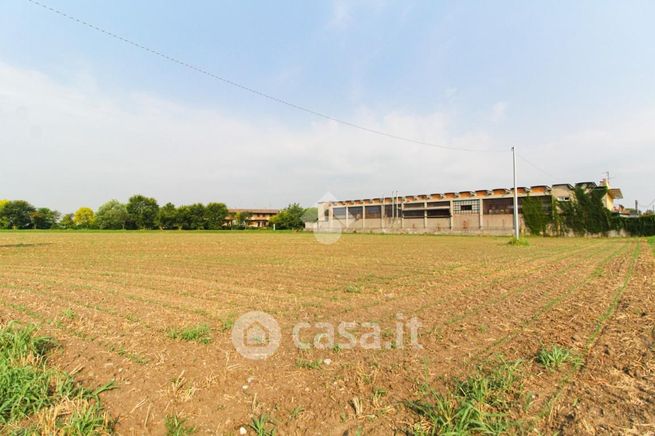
258, 217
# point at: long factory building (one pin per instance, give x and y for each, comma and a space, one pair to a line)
481, 211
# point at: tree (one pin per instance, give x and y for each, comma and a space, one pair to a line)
240, 219
67, 221
215, 214
167, 217
112, 215
191, 217
142, 212
310, 215
84, 218
44, 218
290, 218
17, 214
3, 221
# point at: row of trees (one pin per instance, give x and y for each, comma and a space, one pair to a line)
140, 212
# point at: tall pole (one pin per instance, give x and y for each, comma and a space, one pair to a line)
516, 197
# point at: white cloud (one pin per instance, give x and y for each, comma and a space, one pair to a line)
65, 146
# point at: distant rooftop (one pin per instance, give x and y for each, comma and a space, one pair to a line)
522, 190
263, 211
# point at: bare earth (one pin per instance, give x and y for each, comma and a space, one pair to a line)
110, 298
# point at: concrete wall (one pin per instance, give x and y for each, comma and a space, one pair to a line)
495, 224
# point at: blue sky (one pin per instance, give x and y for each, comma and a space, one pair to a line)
87, 118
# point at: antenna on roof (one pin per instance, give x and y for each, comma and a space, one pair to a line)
607, 178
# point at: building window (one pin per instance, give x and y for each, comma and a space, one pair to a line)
373, 212
499, 206
339, 212
413, 213
463, 207
389, 210
438, 213
439, 204
355, 212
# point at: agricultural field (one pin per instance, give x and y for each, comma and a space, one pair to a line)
555, 336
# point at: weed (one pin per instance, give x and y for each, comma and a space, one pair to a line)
133, 357
18, 343
85, 420
200, 334
69, 314
520, 242
296, 412
379, 392
353, 289
176, 426
556, 356
309, 364
228, 323
28, 386
262, 426
479, 404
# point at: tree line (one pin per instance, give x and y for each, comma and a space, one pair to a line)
141, 213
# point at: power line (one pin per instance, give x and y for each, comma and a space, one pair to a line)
535, 166
252, 90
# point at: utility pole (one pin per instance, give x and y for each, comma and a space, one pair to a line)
516, 197
393, 207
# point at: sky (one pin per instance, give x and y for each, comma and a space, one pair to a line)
85, 118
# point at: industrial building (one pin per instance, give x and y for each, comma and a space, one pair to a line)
485, 211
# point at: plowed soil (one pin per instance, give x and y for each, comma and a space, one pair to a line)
110, 298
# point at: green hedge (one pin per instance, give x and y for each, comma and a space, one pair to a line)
640, 226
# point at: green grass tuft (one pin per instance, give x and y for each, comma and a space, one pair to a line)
309, 364
228, 322
263, 426
176, 426
69, 314
555, 357
353, 289
200, 334
28, 386
480, 404
521, 242
18, 342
